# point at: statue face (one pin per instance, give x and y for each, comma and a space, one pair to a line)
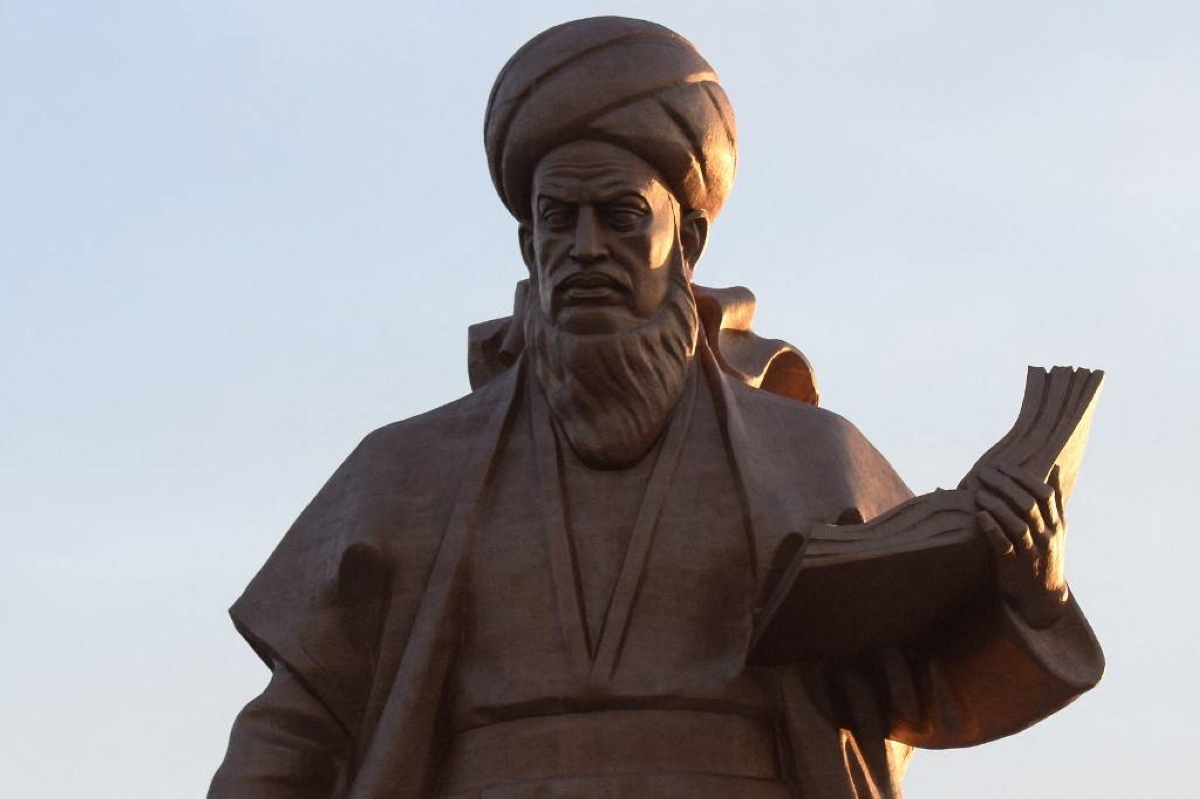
601, 240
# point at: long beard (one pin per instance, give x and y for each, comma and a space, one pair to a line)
612, 394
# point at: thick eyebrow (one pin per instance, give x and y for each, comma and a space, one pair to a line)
638, 198
545, 198
607, 195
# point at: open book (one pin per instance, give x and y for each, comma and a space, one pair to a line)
851, 589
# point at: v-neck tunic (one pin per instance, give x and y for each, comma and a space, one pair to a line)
601, 508
646, 577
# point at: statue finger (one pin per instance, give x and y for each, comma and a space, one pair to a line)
1060, 504
1024, 476
1014, 526
994, 536
1041, 492
1023, 503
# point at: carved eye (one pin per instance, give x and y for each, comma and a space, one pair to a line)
558, 218
623, 218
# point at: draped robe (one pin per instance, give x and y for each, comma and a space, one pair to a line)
431, 589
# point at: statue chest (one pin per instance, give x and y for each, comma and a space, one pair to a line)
593, 590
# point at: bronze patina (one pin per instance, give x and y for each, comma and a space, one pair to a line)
638, 559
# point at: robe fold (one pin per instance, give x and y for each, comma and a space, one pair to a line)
370, 611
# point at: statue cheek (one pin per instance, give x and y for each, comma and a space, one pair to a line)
651, 280
648, 249
659, 240
550, 251
546, 298
660, 253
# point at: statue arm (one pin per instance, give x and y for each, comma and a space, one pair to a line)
993, 667
284, 743
988, 673
313, 615
1021, 651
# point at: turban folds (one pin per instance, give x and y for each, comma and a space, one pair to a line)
627, 82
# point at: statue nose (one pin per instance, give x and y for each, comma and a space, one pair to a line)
589, 238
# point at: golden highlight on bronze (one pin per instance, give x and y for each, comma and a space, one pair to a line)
638, 560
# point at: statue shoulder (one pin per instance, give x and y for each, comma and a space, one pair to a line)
397, 485
775, 414
429, 444
382, 513
807, 445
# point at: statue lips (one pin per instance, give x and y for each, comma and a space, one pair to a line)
592, 288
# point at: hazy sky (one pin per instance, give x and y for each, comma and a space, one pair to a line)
237, 236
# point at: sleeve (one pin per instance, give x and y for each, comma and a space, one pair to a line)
286, 744
986, 673
982, 673
316, 606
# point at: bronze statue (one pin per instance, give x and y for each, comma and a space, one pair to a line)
619, 566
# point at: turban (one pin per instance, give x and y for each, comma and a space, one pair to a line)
627, 82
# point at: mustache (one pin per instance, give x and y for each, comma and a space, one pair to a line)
592, 277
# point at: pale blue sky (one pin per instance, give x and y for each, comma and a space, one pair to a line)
236, 236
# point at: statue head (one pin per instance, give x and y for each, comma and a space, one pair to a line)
614, 147
612, 143
606, 240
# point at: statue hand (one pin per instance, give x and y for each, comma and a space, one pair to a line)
1022, 519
